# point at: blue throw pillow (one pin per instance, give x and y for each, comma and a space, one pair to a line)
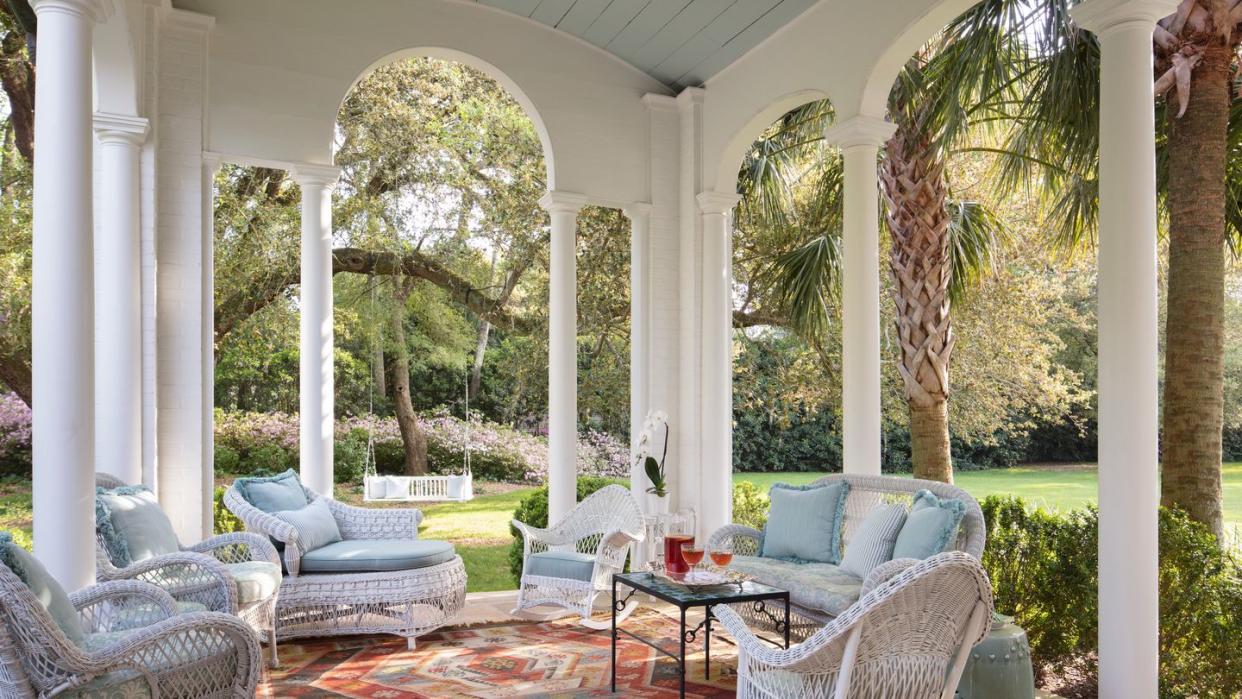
315, 525
45, 588
930, 528
804, 523
273, 493
132, 525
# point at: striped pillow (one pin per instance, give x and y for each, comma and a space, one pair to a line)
873, 543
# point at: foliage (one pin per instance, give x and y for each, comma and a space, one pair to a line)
14, 435
750, 505
225, 521
1043, 568
533, 510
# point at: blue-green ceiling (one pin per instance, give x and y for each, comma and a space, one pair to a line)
679, 42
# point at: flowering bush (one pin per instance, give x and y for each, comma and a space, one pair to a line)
250, 441
14, 435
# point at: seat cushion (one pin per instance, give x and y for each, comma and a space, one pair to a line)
930, 528
135, 617
132, 525
51, 596
119, 684
805, 522
567, 565
376, 555
821, 586
273, 493
256, 580
314, 523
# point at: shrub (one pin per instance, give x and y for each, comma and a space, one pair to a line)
227, 460
533, 510
1043, 567
225, 521
750, 505
269, 457
14, 436
349, 457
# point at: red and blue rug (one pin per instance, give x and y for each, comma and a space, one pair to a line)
553, 659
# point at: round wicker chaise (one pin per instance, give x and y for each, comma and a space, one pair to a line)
406, 602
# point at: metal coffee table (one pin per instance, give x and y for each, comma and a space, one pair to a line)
685, 598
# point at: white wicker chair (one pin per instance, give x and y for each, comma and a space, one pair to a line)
160, 653
601, 527
199, 574
865, 493
406, 603
907, 637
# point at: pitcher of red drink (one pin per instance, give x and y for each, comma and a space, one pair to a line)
673, 560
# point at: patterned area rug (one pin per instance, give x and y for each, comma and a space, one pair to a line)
554, 659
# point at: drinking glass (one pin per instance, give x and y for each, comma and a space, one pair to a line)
721, 556
691, 554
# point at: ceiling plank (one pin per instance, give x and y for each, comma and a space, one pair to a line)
550, 12
612, 20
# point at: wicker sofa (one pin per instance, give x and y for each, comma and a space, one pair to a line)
820, 592
323, 595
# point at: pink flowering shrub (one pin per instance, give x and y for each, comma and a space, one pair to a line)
248, 440
14, 434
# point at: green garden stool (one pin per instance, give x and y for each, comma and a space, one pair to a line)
1000, 666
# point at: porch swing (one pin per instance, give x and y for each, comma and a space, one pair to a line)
451, 488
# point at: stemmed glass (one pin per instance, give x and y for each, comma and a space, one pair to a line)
692, 554
721, 556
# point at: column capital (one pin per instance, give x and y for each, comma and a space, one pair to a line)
120, 128
97, 11
657, 102
638, 209
556, 201
1099, 16
212, 162
860, 130
312, 175
717, 202
690, 95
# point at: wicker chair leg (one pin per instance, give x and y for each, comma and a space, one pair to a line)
274, 661
411, 642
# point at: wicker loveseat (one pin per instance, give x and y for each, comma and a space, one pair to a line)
819, 592
378, 579
236, 573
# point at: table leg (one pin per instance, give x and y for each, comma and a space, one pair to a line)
707, 646
682, 656
614, 635
787, 622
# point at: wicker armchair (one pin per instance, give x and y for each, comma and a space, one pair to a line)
865, 493
407, 603
139, 646
201, 574
907, 637
570, 564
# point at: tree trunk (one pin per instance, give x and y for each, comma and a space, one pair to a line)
476, 371
1194, 327
915, 190
17, 77
412, 437
377, 369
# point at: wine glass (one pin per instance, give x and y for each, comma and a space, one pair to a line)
722, 556
692, 554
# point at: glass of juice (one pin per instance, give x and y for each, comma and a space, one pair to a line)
721, 557
691, 554
673, 561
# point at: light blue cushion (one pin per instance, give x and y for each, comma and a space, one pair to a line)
45, 588
256, 580
821, 586
314, 523
132, 524
873, 543
804, 523
566, 565
119, 684
273, 493
930, 528
376, 555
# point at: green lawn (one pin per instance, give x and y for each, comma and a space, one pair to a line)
1053, 487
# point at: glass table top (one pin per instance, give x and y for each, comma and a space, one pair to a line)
670, 591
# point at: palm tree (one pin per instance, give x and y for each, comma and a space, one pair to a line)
935, 240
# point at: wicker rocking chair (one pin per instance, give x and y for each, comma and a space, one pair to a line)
134, 645
570, 564
205, 574
908, 636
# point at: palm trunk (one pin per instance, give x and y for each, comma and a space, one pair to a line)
412, 437
915, 190
1194, 328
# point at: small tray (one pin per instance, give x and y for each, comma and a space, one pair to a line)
696, 579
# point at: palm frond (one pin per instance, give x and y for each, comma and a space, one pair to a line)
976, 238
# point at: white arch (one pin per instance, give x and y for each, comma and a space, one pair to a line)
515, 91
735, 150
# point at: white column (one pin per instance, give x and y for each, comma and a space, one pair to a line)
563, 208
716, 506
118, 295
211, 165
63, 303
1128, 363
640, 320
315, 352
860, 139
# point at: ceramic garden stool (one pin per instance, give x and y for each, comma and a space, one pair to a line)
1000, 666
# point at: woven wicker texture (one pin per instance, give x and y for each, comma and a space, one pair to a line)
407, 603
909, 637
201, 654
604, 525
199, 574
